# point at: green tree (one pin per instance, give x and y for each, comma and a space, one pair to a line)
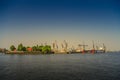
40, 48
12, 48
34, 48
20, 47
27, 47
37, 48
46, 49
24, 48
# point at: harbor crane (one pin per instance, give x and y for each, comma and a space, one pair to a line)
83, 45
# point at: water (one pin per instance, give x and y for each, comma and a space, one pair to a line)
60, 67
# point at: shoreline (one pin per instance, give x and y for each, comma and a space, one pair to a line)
39, 52
26, 52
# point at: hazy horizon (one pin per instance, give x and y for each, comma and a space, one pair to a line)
34, 22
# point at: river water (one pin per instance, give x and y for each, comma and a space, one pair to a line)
60, 67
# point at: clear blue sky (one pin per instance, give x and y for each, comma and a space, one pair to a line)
39, 21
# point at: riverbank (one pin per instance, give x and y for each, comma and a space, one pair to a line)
27, 52
39, 52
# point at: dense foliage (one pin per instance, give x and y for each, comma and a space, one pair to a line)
21, 47
43, 49
12, 48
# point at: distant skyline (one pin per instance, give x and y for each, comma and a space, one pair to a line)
34, 22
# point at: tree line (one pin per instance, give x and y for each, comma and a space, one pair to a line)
41, 48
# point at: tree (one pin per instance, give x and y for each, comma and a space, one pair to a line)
46, 49
24, 48
12, 48
20, 47
40, 48
34, 48
37, 48
27, 47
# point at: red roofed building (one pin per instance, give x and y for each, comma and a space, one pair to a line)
29, 49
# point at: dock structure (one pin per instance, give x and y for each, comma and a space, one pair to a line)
81, 48
101, 49
64, 47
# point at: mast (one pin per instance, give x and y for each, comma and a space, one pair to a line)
93, 45
56, 45
53, 45
104, 47
93, 50
62, 45
66, 45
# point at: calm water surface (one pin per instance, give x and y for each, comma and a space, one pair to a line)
60, 67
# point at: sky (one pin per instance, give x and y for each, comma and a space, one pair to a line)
34, 22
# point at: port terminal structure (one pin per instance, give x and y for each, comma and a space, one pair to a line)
81, 48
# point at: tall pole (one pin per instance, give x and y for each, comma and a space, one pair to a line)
104, 47
84, 47
93, 45
66, 45
93, 50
